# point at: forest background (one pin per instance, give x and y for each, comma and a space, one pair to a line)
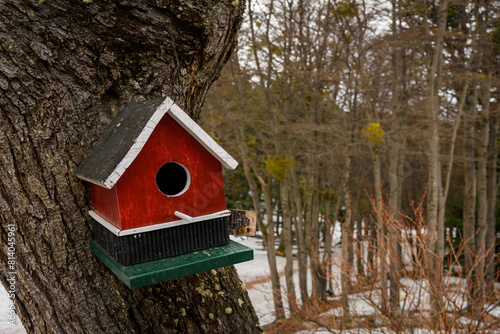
382, 115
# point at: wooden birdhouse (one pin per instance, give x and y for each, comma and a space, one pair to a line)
157, 193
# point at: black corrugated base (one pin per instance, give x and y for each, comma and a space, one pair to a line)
160, 244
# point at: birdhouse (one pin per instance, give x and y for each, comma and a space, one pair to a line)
157, 195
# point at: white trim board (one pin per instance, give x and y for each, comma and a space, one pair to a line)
115, 230
169, 107
201, 136
138, 144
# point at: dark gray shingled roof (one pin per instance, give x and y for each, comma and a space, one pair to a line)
124, 137
116, 141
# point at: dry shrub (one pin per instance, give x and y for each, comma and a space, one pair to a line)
410, 309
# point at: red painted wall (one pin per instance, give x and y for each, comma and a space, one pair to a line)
105, 202
136, 201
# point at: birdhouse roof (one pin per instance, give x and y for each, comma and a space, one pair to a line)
125, 136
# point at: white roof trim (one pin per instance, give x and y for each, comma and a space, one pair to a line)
202, 137
113, 229
170, 108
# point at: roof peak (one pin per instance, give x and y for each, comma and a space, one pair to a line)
126, 135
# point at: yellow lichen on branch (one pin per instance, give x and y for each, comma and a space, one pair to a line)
278, 165
374, 133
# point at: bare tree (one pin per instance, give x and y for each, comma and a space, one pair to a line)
435, 223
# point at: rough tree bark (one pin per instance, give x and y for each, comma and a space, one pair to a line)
66, 67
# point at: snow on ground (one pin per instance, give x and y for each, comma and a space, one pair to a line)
414, 295
256, 276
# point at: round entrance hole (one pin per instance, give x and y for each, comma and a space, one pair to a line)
173, 179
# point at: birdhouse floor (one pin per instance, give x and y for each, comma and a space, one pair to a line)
148, 273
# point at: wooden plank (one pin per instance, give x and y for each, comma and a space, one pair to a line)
121, 233
243, 223
145, 274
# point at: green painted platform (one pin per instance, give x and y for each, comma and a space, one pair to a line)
145, 274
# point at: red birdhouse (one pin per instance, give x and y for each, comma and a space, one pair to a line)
156, 185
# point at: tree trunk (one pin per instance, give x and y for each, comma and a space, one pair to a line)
469, 208
287, 241
317, 270
396, 225
328, 260
482, 188
482, 215
395, 261
372, 251
301, 243
268, 238
359, 243
492, 200
398, 155
484, 48
271, 250
381, 230
350, 239
328, 232
66, 68
345, 268
434, 221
